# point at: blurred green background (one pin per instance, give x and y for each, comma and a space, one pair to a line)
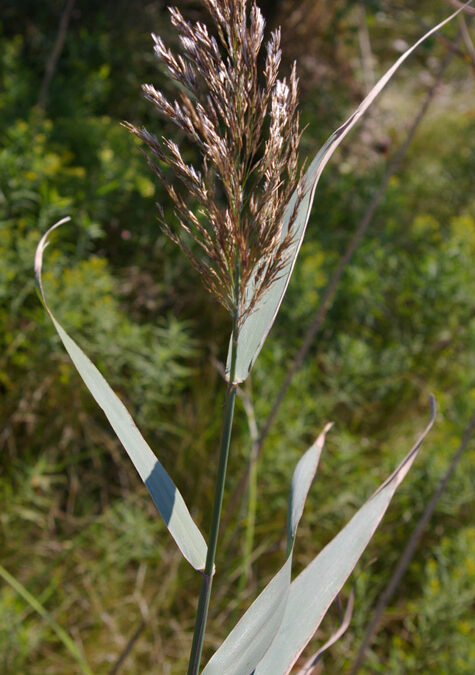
77, 527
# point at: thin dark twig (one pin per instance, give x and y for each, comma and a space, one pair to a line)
56, 53
143, 623
466, 38
410, 549
457, 4
128, 648
332, 287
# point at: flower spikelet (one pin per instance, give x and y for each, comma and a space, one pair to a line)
245, 125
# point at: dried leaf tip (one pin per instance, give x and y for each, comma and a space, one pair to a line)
246, 127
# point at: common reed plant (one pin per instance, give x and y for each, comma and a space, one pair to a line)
240, 217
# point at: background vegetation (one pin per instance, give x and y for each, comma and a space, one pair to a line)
77, 528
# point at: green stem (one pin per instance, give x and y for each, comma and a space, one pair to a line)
38, 607
251, 517
251, 503
205, 593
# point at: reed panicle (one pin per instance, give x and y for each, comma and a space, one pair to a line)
245, 125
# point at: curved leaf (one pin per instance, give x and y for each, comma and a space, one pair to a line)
313, 591
164, 493
251, 637
309, 667
254, 330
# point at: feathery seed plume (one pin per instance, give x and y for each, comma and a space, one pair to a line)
246, 128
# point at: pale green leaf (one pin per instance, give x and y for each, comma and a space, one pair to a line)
302, 478
164, 493
254, 330
313, 591
251, 637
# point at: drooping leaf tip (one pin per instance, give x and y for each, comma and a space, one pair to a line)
42, 244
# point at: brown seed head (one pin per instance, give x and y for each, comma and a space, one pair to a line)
247, 131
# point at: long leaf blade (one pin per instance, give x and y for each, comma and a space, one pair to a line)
254, 330
163, 491
313, 591
252, 636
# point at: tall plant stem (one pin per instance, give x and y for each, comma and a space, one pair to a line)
205, 592
251, 519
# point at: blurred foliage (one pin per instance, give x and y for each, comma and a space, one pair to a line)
76, 526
